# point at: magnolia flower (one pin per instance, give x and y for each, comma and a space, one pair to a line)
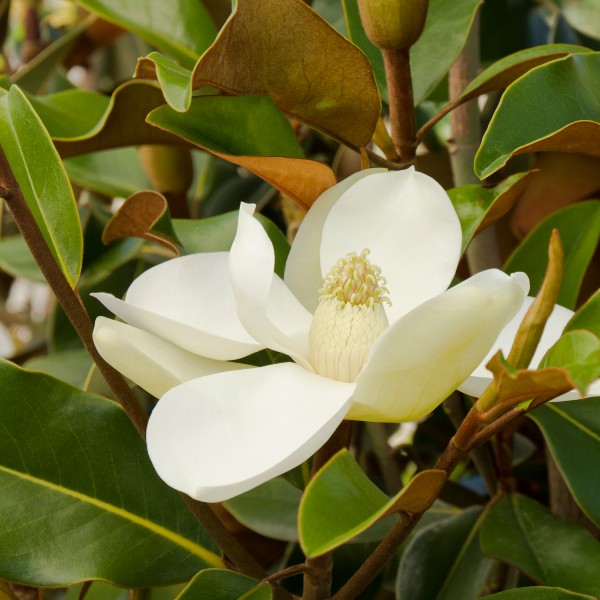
362, 311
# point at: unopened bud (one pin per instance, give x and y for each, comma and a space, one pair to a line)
393, 24
169, 168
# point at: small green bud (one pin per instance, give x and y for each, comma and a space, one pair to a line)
393, 24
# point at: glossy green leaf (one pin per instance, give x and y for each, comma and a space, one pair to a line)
17, 260
443, 561
76, 481
538, 593
578, 352
117, 255
587, 316
43, 181
269, 147
571, 124
477, 207
429, 59
221, 584
341, 502
114, 173
71, 113
184, 31
579, 243
547, 549
508, 69
217, 234
270, 509
572, 433
175, 80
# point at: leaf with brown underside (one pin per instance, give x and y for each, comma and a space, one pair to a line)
123, 123
420, 492
268, 148
285, 50
145, 215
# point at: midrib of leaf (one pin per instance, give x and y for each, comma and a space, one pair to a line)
207, 556
575, 423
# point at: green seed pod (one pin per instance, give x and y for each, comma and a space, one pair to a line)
393, 24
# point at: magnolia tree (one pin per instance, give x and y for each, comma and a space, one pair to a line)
319, 272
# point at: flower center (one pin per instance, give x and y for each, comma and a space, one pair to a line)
349, 318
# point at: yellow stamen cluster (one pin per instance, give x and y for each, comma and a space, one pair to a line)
356, 281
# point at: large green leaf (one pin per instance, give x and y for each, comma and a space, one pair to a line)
547, 549
79, 498
269, 147
477, 207
579, 244
538, 593
221, 584
568, 90
508, 69
43, 181
341, 502
584, 15
430, 60
184, 30
572, 432
443, 561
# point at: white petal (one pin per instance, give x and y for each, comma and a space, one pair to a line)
219, 436
189, 302
149, 361
425, 355
481, 377
408, 222
266, 307
303, 267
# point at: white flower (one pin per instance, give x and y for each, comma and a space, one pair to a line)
376, 236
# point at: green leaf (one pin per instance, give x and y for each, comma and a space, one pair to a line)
175, 81
572, 432
508, 69
76, 481
537, 593
430, 59
110, 260
340, 502
72, 367
269, 147
71, 113
570, 122
270, 509
43, 181
578, 352
478, 207
587, 317
584, 15
114, 173
17, 260
216, 234
221, 584
579, 244
443, 561
184, 30
547, 549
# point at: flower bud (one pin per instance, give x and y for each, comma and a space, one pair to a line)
169, 168
393, 24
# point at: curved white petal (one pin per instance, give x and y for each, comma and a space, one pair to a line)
219, 436
303, 267
189, 302
408, 222
149, 361
266, 307
481, 377
425, 355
